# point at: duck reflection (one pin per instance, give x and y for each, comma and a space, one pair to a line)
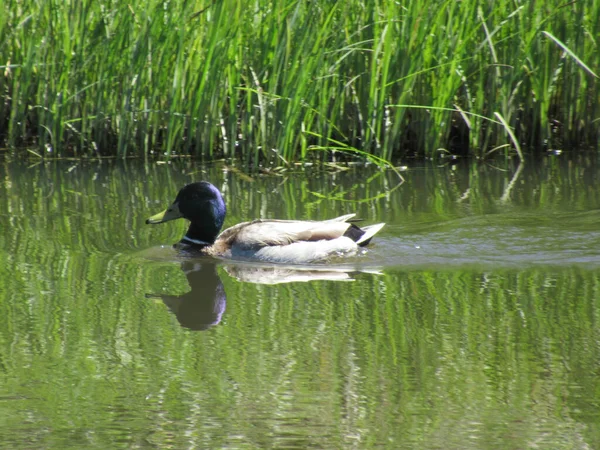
203, 306
252, 273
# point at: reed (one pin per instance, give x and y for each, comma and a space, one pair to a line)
267, 82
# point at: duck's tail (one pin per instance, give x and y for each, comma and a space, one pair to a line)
369, 232
362, 236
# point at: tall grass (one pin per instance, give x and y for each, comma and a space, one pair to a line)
273, 81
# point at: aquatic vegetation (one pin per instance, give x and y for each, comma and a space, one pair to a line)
274, 82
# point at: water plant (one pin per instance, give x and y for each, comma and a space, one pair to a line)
269, 81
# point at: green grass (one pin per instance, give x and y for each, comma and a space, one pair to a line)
270, 81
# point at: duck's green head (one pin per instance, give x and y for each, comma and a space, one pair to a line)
202, 204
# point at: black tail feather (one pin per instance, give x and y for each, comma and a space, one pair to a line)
355, 233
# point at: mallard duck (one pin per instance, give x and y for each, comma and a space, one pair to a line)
266, 240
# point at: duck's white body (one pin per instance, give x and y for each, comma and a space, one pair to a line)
292, 241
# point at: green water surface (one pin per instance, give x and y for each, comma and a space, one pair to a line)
472, 321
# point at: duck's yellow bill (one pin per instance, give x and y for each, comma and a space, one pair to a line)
171, 213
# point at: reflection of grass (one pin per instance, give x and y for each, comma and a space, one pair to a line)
461, 346
267, 82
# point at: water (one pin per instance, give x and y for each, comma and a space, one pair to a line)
472, 322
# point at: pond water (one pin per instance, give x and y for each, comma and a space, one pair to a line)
472, 321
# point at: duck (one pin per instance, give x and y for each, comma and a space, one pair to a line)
261, 240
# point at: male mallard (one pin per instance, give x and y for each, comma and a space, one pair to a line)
267, 240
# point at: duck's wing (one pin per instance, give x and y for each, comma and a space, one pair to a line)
264, 233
